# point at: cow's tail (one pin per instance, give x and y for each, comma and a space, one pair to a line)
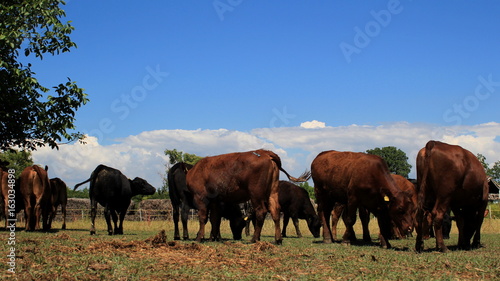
422, 188
171, 185
77, 185
302, 178
43, 176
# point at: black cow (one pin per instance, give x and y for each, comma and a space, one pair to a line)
447, 224
182, 200
113, 190
296, 204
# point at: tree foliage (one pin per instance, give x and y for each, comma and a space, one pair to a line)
309, 189
176, 156
32, 116
494, 171
395, 158
17, 160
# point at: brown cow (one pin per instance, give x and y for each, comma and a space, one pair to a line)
449, 176
59, 197
358, 180
237, 178
405, 185
408, 188
36, 191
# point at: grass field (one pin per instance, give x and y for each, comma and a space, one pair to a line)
73, 254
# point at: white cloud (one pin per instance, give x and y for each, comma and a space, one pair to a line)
313, 124
142, 155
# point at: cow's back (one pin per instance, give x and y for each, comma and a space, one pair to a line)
229, 175
177, 187
451, 171
340, 173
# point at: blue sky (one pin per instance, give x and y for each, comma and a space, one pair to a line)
244, 65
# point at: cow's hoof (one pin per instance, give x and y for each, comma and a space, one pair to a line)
92, 232
279, 242
346, 242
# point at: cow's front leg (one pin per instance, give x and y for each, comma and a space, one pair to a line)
295, 221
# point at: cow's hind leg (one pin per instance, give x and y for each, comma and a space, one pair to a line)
107, 216
215, 220
38, 215
114, 217
184, 219
28, 214
63, 211
175, 217
419, 241
349, 217
203, 218
476, 241
260, 215
286, 219
324, 212
274, 208
364, 216
336, 214
93, 213
52, 215
438, 215
119, 229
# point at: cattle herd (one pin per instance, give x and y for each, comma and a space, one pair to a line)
243, 187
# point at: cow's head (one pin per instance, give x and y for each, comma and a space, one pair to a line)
314, 225
237, 225
141, 186
401, 211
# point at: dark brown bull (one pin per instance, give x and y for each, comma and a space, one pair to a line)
449, 176
237, 178
358, 180
182, 203
295, 204
36, 192
59, 197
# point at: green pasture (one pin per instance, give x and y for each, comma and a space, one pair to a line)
73, 254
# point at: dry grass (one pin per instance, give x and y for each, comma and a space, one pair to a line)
145, 253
